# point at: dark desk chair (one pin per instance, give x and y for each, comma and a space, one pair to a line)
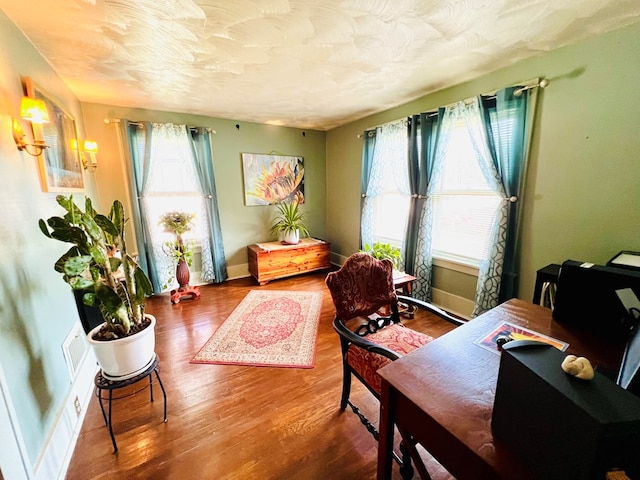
363, 294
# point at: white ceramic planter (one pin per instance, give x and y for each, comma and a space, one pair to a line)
125, 357
292, 238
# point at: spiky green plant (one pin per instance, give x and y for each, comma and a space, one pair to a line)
289, 219
90, 267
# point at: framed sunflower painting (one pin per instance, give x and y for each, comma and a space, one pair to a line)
271, 179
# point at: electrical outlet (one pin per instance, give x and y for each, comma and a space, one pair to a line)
76, 403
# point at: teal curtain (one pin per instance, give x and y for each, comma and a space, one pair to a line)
423, 137
368, 148
203, 163
138, 139
507, 120
434, 149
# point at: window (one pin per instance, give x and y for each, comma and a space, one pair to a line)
391, 209
387, 203
173, 186
464, 205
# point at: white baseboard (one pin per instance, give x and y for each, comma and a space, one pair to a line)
58, 449
455, 304
337, 259
238, 271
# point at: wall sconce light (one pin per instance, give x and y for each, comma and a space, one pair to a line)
35, 111
90, 150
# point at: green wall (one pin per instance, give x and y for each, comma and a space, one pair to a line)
241, 225
37, 310
582, 198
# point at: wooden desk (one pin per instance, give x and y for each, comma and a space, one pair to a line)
442, 394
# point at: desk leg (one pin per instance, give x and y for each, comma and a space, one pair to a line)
385, 439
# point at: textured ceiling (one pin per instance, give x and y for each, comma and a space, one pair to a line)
308, 64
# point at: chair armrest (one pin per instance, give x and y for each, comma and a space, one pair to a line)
431, 308
362, 342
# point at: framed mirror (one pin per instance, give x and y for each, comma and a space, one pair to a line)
60, 165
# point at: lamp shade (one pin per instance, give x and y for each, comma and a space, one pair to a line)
34, 110
90, 146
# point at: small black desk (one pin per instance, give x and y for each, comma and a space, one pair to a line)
103, 383
546, 274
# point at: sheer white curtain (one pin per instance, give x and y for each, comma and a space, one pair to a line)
465, 200
385, 206
423, 268
490, 272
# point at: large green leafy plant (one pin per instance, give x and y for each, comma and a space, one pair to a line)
114, 283
383, 250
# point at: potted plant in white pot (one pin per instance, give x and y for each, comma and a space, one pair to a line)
99, 265
289, 225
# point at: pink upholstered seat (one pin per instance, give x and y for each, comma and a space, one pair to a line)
395, 337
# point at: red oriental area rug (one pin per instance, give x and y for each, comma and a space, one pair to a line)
269, 328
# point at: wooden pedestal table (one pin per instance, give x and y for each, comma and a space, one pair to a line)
403, 282
184, 290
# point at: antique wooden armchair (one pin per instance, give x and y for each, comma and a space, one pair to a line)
363, 293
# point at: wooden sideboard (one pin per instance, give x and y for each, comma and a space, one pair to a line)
273, 260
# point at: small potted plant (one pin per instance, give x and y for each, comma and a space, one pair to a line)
99, 265
289, 225
179, 223
384, 250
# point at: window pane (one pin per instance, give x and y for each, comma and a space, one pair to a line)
462, 224
390, 217
159, 205
464, 204
172, 175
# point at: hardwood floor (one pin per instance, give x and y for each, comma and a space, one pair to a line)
235, 422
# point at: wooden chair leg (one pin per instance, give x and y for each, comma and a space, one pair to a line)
409, 452
346, 386
406, 469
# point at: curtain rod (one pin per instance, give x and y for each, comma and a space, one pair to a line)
140, 125
528, 85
